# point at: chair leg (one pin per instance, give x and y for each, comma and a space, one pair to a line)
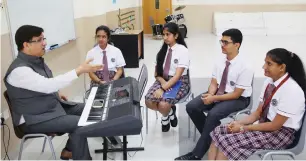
44, 145
21, 148
147, 124
51, 147
188, 127
194, 134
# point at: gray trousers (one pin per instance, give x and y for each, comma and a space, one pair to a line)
65, 124
77, 142
215, 113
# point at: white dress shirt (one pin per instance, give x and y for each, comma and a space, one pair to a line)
288, 101
180, 58
240, 75
114, 55
27, 78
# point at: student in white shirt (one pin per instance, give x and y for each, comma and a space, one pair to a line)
172, 63
229, 91
280, 112
108, 55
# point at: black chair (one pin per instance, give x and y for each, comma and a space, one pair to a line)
18, 129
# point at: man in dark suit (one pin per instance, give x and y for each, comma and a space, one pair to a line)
34, 93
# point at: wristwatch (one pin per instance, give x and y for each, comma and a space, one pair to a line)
242, 129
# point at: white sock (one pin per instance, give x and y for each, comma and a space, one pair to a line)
171, 115
171, 112
165, 120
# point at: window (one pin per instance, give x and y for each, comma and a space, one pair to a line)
156, 4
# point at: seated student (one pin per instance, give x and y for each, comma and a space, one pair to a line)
280, 112
38, 107
229, 91
172, 63
110, 56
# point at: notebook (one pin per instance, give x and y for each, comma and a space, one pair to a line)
173, 92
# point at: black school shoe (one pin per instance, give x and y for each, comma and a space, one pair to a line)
165, 128
188, 156
174, 121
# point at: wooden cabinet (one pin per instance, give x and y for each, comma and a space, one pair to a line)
131, 45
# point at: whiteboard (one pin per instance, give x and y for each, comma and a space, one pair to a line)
56, 17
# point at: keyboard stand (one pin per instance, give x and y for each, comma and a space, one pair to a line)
124, 148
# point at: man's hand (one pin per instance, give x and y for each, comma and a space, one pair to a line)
86, 67
63, 97
158, 93
207, 99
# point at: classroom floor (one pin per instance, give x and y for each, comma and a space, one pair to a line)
204, 48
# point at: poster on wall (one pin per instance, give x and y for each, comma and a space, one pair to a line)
114, 1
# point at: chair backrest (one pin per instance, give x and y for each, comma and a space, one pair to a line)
17, 129
188, 73
299, 142
123, 73
252, 95
143, 79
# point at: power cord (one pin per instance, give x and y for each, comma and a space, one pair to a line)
9, 137
140, 134
139, 146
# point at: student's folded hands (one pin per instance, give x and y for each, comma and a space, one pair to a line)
158, 93
207, 99
234, 127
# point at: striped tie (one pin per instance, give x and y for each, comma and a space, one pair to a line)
167, 64
105, 68
222, 86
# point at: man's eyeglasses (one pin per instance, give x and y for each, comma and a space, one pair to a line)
224, 42
38, 41
100, 36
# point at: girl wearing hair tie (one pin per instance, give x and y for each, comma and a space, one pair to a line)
108, 55
172, 63
280, 112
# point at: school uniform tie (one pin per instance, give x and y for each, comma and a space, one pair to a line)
222, 86
105, 68
265, 110
167, 64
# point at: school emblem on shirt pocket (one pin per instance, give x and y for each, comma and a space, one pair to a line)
113, 59
232, 83
274, 102
175, 61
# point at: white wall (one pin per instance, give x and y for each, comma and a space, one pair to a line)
87, 8
261, 23
235, 2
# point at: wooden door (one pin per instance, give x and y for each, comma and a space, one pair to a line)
157, 10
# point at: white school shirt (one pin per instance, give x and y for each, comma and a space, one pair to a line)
114, 57
287, 101
26, 78
240, 75
180, 58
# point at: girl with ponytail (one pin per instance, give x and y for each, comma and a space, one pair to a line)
280, 112
172, 63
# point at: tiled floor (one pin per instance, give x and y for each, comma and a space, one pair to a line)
204, 48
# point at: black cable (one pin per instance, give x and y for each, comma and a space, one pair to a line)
141, 137
8, 144
139, 146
